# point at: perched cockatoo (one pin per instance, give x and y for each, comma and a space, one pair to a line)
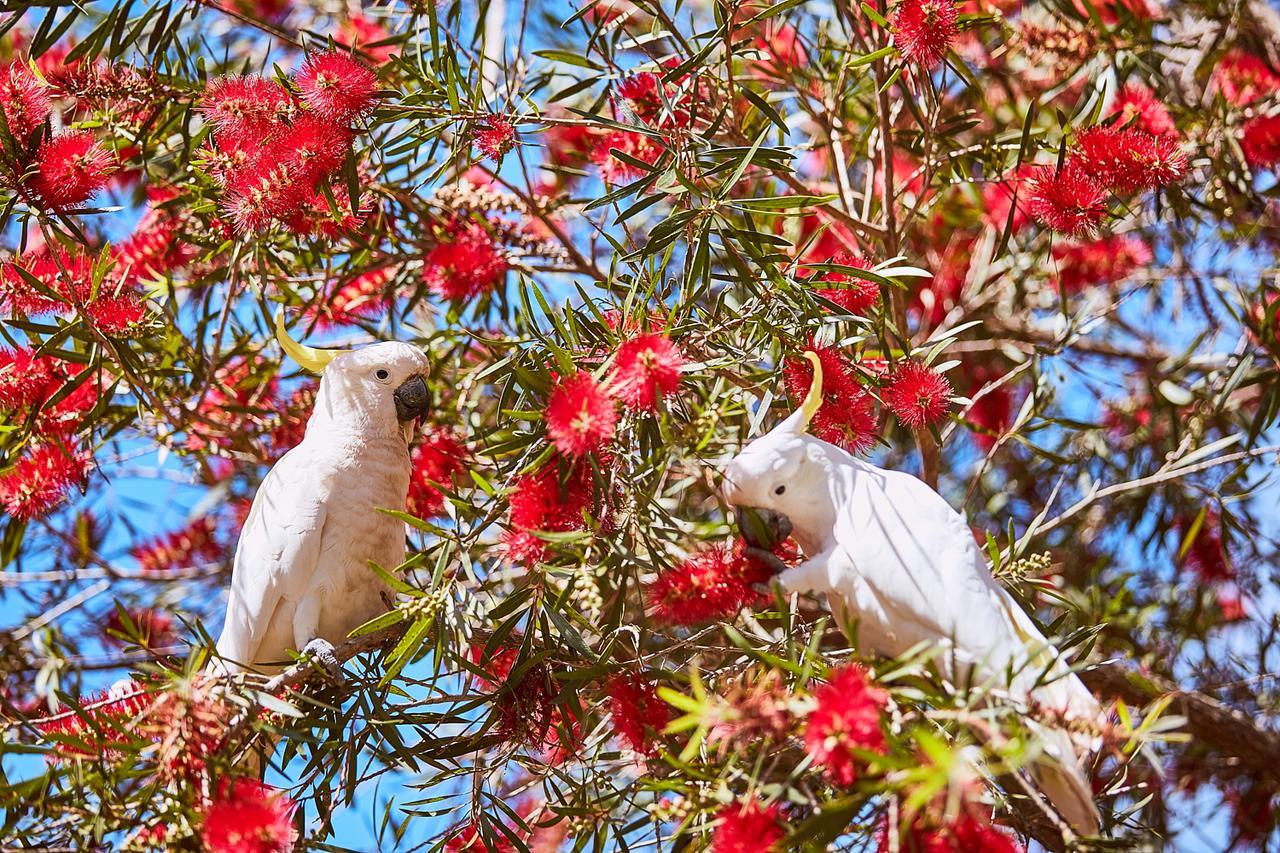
301, 579
895, 559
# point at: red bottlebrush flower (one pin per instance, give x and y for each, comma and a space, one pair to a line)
645, 370
189, 546
117, 316
846, 417
316, 147
638, 146
581, 415
1099, 262
1207, 555
436, 462
1243, 78
917, 395
782, 49
24, 378
316, 217
58, 270
495, 137
908, 177
64, 417
235, 410
855, 295
1137, 106
1127, 159
363, 297
249, 817
364, 35
239, 104
567, 146
155, 247
847, 717
540, 502
637, 712
468, 262
41, 479
270, 183
643, 93
713, 584
1141, 10
525, 700
1067, 199
337, 87
70, 168
999, 197
468, 839
111, 713
24, 101
153, 628
961, 834
747, 827
1260, 141
924, 29
992, 412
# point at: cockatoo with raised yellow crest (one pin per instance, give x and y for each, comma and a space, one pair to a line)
301, 579
896, 560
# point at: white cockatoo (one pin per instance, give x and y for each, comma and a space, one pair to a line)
301, 579
894, 558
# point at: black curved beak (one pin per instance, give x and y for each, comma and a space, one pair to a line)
412, 399
762, 528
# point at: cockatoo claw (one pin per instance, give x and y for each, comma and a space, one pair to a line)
321, 651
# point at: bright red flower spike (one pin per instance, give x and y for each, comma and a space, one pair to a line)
924, 29
637, 711
855, 295
249, 817
581, 415
41, 479
646, 369
467, 262
846, 417
437, 462
1067, 199
917, 395
748, 827
847, 718
71, 168
337, 87
24, 101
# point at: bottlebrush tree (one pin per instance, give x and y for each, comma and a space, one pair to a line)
1033, 245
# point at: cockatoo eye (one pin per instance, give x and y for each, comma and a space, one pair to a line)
780, 490
381, 374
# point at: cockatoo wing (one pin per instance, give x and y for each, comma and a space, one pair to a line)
914, 560
276, 556
915, 554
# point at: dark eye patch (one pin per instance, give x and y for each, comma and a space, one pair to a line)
381, 374
779, 490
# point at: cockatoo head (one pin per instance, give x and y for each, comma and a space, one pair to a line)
377, 391
778, 482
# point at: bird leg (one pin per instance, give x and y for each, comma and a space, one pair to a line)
321, 651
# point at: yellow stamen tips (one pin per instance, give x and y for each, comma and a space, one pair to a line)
813, 399
309, 358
